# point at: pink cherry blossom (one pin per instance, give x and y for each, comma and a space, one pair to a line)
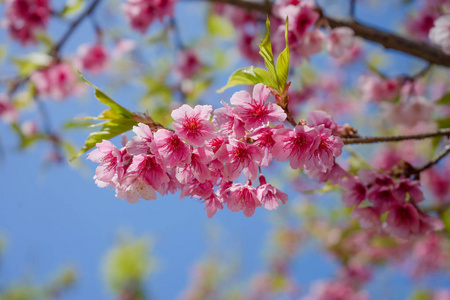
8, 112
173, 151
296, 145
312, 43
239, 156
149, 170
228, 122
93, 58
192, 124
142, 142
410, 187
254, 111
243, 197
26, 17
319, 117
57, 81
354, 192
421, 24
268, 195
403, 220
368, 217
142, 13
330, 147
263, 138
334, 290
440, 33
134, 190
341, 39
212, 205
301, 18
188, 64
112, 162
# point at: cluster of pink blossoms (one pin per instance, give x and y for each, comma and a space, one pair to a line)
142, 13
202, 158
304, 39
25, 17
398, 198
440, 33
57, 81
92, 58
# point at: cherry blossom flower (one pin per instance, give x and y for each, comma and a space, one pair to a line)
173, 151
142, 142
134, 190
421, 24
254, 111
26, 17
93, 58
188, 64
319, 117
440, 33
112, 162
8, 112
192, 124
243, 197
212, 205
239, 156
354, 191
368, 217
403, 220
341, 39
312, 43
149, 170
296, 145
330, 147
334, 290
57, 81
263, 138
142, 13
228, 122
268, 195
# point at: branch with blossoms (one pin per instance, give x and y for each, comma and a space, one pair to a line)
419, 49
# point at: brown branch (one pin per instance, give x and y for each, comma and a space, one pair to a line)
434, 161
381, 139
388, 40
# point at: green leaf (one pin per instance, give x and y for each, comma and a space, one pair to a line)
265, 50
72, 7
102, 97
108, 131
446, 220
283, 62
30, 63
445, 100
249, 75
119, 120
443, 123
219, 26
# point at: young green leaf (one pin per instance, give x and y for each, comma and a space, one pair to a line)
102, 97
445, 100
283, 62
249, 75
108, 131
265, 50
118, 120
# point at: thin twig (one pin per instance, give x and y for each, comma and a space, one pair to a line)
435, 160
381, 139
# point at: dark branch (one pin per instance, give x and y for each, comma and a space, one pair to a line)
381, 139
434, 161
